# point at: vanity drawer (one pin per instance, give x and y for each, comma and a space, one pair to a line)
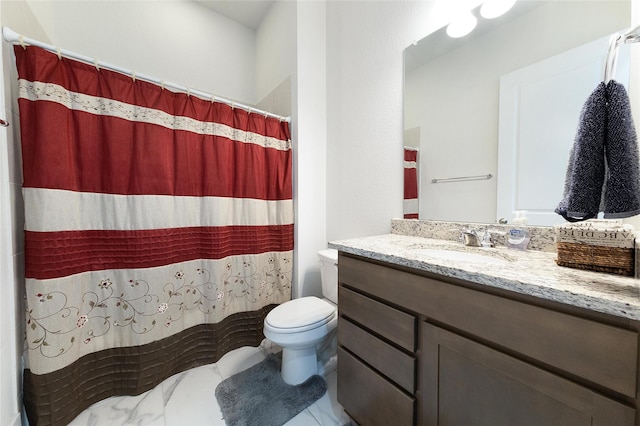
368, 397
390, 323
391, 362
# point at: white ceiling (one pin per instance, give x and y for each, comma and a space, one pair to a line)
247, 12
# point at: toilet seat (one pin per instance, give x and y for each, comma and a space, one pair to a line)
298, 315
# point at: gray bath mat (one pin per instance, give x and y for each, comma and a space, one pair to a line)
259, 396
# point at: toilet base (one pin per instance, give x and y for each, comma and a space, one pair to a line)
298, 364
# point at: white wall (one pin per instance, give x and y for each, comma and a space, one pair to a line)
275, 47
365, 41
178, 41
276, 58
310, 143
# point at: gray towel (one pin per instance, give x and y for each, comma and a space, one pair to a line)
622, 183
585, 174
603, 172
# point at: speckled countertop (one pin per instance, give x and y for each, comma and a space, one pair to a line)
533, 273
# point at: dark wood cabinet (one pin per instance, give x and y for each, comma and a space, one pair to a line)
417, 348
467, 383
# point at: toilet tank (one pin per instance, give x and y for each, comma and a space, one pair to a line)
329, 273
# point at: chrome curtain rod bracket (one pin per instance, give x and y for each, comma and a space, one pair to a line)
462, 178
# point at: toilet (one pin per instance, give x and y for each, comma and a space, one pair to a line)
301, 325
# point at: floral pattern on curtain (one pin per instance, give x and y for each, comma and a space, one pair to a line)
410, 206
158, 231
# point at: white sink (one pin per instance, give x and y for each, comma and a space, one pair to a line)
459, 256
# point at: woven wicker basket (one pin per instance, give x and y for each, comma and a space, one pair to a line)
613, 260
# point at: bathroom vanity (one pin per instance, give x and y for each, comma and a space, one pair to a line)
512, 339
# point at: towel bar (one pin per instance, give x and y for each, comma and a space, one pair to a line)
462, 178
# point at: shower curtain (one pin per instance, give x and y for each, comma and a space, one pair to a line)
158, 231
410, 206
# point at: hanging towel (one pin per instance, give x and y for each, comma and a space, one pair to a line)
585, 173
622, 181
603, 170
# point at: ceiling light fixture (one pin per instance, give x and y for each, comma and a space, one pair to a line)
493, 8
462, 25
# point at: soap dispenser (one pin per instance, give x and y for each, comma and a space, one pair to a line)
518, 237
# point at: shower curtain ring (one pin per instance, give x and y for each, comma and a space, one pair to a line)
4, 123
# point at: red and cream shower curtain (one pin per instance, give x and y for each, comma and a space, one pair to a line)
410, 206
158, 231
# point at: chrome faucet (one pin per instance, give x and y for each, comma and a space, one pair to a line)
470, 238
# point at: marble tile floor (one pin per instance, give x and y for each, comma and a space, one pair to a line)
188, 399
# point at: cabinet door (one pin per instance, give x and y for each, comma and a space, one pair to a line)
465, 383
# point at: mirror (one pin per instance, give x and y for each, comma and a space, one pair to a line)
452, 108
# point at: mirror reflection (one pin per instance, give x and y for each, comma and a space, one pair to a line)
493, 114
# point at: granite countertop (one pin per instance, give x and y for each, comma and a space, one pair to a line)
533, 273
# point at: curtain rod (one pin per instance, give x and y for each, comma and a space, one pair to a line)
13, 37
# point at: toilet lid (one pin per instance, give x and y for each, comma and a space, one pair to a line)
305, 312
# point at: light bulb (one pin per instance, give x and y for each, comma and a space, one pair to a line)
462, 25
494, 8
